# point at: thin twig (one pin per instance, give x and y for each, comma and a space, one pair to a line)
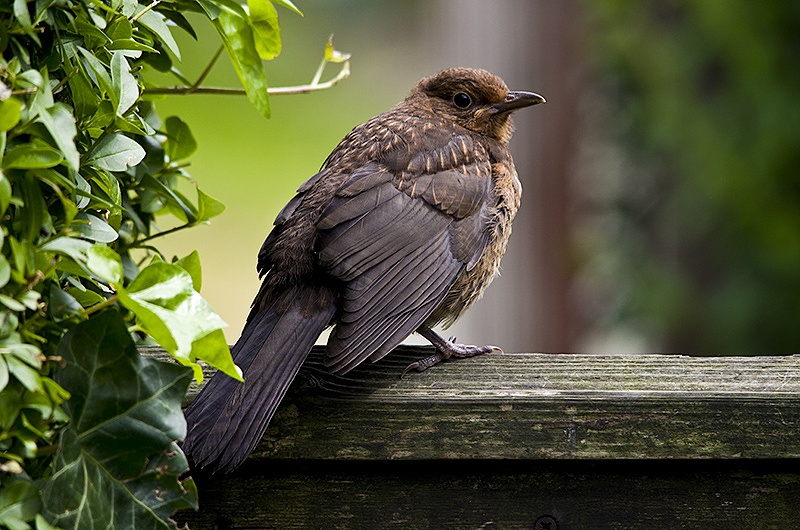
138, 244
206, 70
304, 89
145, 10
23, 91
273, 91
111, 300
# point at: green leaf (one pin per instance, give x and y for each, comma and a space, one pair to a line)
92, 36
154, 21
19, 502
180, 142
95, 228
61, 304
124, 84
3, 383
30, 299
119, 28
42, 524
213, 349
24, 18
209, 8
105, 263
332, 55
207, 206
9, 113
237, 35
266, 29
118, 465
191, 264
31, 156
161, 191
98, 72
288, 5
84, 97
168, 308
116, 152
132, 48
60, 123
5, 192
5, 271
128, 7
29, 377
71, 247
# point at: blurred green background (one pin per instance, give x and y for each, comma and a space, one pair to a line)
662, 197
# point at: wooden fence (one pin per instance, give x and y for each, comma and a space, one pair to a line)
528, 441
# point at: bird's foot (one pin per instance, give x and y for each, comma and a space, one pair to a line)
446, 349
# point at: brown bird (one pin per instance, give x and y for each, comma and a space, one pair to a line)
401, 230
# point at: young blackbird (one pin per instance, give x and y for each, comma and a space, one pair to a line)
401, 230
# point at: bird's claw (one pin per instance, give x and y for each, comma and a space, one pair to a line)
447, 350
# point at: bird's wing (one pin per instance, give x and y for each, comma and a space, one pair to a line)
398, 239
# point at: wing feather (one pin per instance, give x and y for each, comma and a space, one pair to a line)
398, 242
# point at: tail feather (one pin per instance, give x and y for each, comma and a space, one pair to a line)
228, 418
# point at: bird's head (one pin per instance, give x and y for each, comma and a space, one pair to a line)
475, 99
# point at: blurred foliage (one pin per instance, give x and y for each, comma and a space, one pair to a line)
88, 428
706, 104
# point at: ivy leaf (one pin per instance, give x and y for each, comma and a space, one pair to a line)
105, 263
119, 447
19, 501
116, 152
168, 308
266, 29
191, 264
213, 349
237, 35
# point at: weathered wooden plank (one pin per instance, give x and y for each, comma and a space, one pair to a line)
708, 495
537, 406
618, 442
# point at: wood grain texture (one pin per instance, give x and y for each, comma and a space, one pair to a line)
579, 495
523, 406
619, 442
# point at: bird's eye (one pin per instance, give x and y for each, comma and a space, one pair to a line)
462, 100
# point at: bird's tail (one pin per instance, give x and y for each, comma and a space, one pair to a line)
228, 418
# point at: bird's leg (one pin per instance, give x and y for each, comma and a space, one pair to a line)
446, 349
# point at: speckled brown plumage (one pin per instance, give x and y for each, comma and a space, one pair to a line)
401, 230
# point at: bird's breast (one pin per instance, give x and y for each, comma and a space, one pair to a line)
471, 284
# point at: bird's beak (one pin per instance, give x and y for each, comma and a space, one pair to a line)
516, 100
